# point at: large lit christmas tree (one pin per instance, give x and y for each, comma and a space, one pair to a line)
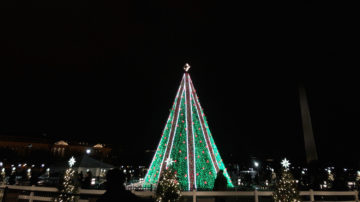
187, 144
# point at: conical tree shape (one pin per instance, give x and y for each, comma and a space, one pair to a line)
187, 145
286, 188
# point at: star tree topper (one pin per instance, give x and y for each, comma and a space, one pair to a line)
186, 67
72, 161
285, 163
169, 162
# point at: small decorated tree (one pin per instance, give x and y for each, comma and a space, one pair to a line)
69, 186
28, 173
3, 176
286, 188
168, 189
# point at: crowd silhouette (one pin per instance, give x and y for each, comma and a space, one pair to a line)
115, 189
220, 184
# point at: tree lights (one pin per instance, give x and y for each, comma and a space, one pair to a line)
168, 189
187, 144
3, 176
69, 186
286, 188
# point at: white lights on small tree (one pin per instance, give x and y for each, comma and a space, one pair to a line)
47, 172
285, 163
168, 188
69, 187
358, 175
28, 173
3, 176
286, 186
72, 162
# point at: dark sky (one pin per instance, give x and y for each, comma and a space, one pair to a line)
108, 72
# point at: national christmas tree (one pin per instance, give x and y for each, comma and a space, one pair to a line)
186, 144
286, 188
69, 186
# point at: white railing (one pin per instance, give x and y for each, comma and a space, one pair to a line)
256, 194
194, 194
31, 197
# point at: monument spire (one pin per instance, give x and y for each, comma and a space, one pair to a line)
310, 146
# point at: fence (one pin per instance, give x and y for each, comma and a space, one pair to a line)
31, 193
34, 193
256, 194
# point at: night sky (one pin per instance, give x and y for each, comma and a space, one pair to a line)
108, 72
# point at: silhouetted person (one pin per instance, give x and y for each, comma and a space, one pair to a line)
220, 183
6, 189
10, 195
115, 190
81, 178
315, 177
339, 183
34, 178
12, 179
87, 180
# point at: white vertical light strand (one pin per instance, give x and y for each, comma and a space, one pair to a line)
202, 130
192, 125
167, 144
187, 142
177, 120
152, 161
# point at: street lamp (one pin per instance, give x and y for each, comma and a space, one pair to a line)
256, 164
88, 151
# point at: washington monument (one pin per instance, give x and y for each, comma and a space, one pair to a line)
310, 147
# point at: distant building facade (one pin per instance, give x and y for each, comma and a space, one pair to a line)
23, 146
